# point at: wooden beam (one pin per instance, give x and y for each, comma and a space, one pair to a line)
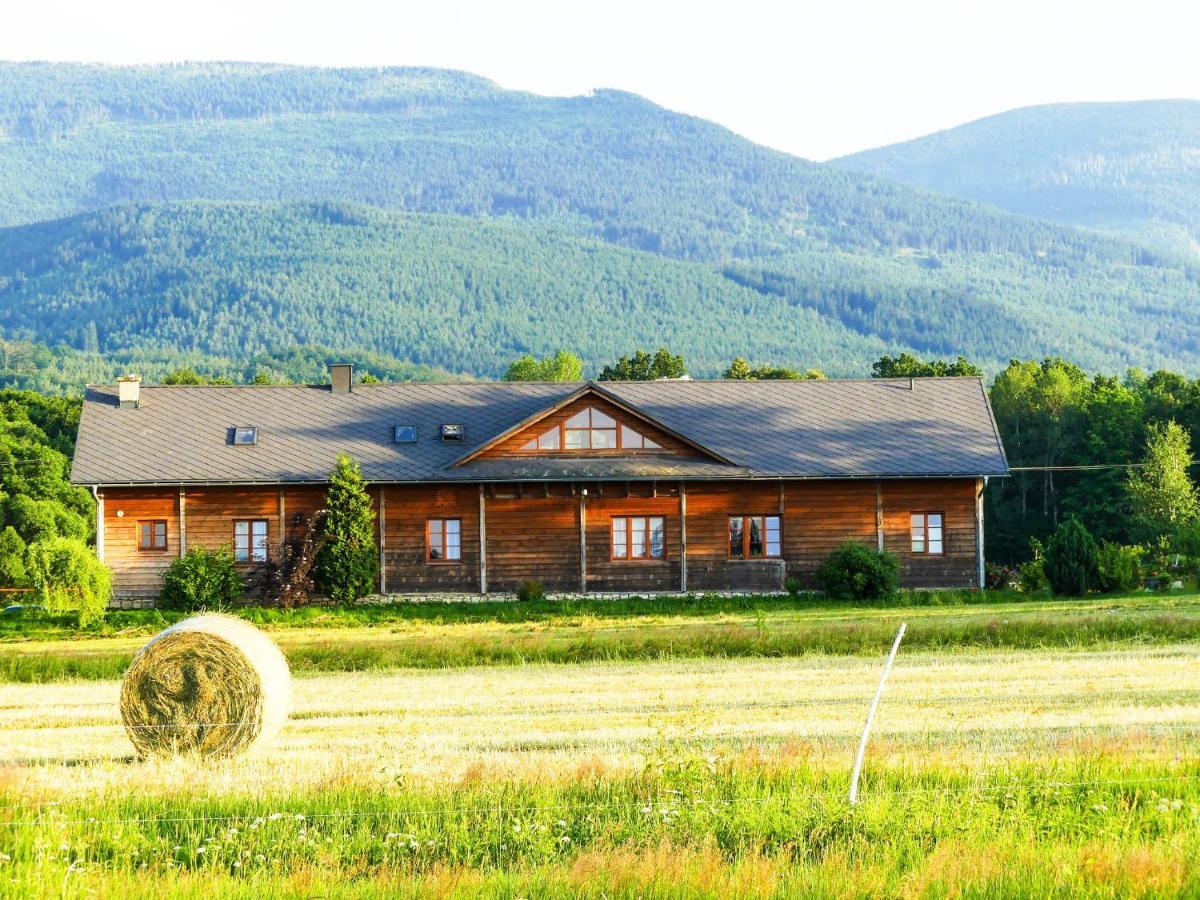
382, 540
682, 537
879, 516
283, 522
182, 523
483, 587
782, 555
583, 541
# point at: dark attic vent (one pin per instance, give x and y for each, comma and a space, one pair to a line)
405, 434
452, 432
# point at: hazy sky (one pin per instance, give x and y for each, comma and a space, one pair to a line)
813, 78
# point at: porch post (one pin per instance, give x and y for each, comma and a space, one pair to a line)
782, 555
683, 537
583, 541
382, 539
482, 541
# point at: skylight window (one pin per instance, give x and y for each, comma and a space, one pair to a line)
245, 435
591, 429
406, 434
452, 432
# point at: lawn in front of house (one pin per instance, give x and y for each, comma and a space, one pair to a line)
437, 635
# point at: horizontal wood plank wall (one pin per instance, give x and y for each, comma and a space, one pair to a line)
138, 573
514, 445
533, 531
709, 507
607, 574
408, 510
211, 512
533, 537
300, 503
955, 499
819, 516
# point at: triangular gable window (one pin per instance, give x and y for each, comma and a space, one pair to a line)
591, 429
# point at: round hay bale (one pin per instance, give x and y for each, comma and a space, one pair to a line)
211, 685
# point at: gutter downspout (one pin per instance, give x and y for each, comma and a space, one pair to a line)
981, 485
99, 521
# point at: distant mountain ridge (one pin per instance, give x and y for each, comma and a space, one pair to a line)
211, 169
1130, 167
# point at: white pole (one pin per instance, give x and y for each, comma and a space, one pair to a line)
862, 745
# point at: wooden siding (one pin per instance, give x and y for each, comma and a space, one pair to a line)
406, 511
956, 501
533, 531
533, 537
514, 445
138, 573
819, 516
607, 574
709, 507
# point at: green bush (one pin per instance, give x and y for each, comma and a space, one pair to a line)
857, 572
201, 579
793, 586
348, 563
531, 590
1031, 574
1071, 560
1119, 567
69, 577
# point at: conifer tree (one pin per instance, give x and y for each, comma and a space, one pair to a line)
348, 564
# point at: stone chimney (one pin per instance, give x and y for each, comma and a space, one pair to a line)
341, 377
129, 391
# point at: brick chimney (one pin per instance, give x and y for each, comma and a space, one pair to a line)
129, 391
341, 378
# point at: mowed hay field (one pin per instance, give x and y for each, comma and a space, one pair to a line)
993, 771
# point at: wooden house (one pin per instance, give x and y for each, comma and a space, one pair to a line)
596, 487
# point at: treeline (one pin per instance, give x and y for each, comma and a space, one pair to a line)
1053, 413
61, 370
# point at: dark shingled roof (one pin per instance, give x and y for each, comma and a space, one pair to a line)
765, 429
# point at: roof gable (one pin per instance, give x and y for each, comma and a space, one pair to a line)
513, 441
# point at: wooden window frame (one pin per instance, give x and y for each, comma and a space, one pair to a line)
444, 560
618, 447
250, 560
925, 532
746, 557
152, 548
629, 557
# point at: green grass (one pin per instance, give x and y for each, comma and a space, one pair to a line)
681, 827
991, 773
37, 648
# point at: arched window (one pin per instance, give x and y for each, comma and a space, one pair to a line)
591, 429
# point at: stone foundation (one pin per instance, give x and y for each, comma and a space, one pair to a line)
454, 597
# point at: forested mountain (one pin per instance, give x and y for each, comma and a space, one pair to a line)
469, 295
596, 223
1128, 167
